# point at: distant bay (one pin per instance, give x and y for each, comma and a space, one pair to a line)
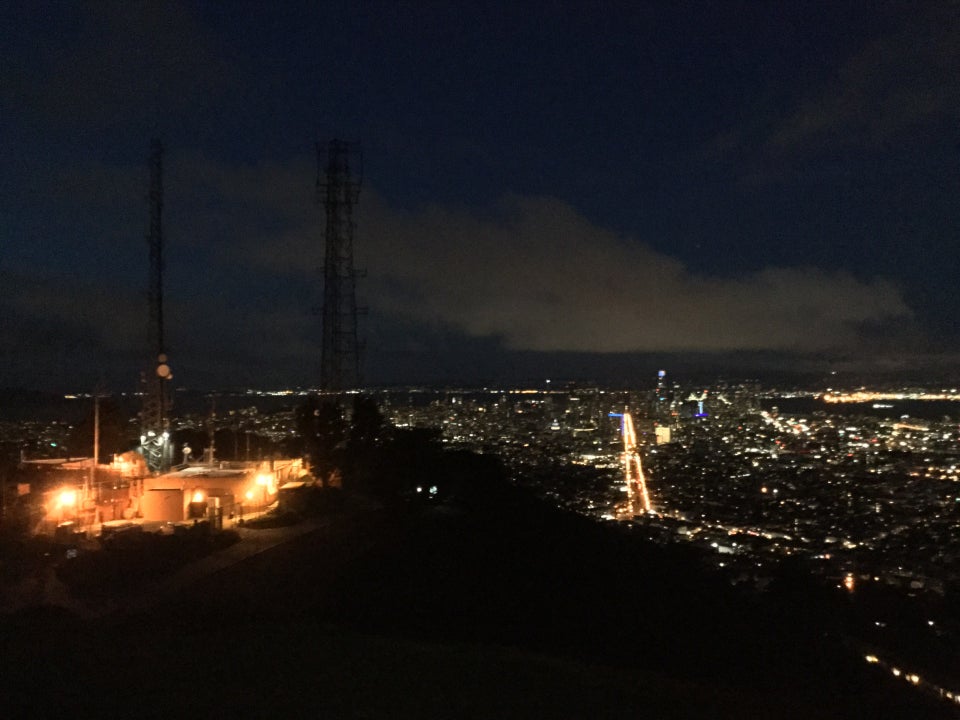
892, 409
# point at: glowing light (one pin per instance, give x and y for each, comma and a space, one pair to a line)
268, 482
635, 482
868, 396
872, 659
198, 496
67, 498
849, 582
249, 495
895, 671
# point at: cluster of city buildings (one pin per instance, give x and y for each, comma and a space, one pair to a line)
859, 491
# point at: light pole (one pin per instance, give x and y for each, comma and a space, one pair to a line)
96, 443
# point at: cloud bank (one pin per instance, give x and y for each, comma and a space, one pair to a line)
529, 275
537, 275
541, 277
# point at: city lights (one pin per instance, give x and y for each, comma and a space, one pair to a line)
854, 498
635, 482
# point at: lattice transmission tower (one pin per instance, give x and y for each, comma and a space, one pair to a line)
154, 414
339, 191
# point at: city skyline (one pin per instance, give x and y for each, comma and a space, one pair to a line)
587, 191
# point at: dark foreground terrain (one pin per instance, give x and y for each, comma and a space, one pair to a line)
479, 603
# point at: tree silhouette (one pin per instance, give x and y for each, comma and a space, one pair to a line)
367, 425
321, 425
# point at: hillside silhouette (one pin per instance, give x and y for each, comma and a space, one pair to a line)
474, 600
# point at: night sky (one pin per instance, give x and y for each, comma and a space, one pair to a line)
551, 189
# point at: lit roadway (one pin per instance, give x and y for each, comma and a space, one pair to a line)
634, 479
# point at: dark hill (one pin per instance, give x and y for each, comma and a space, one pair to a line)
483, 603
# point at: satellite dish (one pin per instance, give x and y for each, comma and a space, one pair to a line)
163, 370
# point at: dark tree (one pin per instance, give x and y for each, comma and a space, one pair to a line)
321, 425
366, 425
407, 458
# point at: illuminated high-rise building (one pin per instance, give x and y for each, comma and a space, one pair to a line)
661, 404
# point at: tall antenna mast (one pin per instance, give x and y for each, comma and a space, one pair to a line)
154, 420
155, 240
340, 352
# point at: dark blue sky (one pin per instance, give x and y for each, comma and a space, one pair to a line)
549, 188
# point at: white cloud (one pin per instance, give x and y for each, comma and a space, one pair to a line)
542, 277
530, 272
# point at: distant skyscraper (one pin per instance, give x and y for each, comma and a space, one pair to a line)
340, 351
661, 404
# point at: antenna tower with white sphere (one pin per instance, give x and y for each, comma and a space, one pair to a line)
155, 442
